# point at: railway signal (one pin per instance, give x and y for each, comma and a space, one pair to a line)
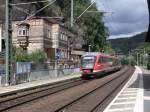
101, 50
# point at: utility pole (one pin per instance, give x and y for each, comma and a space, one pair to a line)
8, 37
89, 48
140, 59
144, 58
137, 60
72, 18
129, 57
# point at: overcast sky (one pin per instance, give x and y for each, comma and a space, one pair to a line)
129, 17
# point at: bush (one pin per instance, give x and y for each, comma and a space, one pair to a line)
36, 57
20, 55
133, 62
124, 62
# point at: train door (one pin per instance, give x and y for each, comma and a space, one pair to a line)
98, 65
103, 61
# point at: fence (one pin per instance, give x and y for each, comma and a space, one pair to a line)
44, 74
26, 73
39, 75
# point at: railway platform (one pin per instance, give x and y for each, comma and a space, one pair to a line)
23, 86
135, 95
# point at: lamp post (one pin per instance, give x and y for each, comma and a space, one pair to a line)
129, 57
144, 56
137, 59
140, 57
72, 13
89, 48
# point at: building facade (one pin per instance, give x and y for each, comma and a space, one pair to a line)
41, 34
0, 37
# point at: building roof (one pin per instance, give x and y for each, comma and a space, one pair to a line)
77, 52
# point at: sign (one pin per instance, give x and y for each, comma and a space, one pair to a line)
59, 54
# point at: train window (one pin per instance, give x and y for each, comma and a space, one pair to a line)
111, 60
89, 59
103, 60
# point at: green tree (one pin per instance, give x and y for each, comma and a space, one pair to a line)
90, 25
141, 52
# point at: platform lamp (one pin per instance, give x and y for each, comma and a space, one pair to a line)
23, 35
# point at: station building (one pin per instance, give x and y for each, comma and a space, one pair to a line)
42, 34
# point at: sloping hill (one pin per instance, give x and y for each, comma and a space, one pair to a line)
123, 45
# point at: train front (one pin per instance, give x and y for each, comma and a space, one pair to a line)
87, 65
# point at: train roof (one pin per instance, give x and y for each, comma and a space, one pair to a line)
97, 53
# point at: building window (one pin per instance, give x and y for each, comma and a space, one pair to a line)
19, 32
24, 32
61, 36
48, 33
23, 29
55, 36
65, 38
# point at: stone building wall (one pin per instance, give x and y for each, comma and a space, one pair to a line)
47, 36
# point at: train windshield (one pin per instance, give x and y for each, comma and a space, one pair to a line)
88, 62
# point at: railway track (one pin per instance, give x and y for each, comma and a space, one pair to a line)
74, 96
91, 101
17, 98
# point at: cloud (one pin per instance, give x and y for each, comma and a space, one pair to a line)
128, 16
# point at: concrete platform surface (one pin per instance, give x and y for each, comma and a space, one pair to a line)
135, 95
9, 89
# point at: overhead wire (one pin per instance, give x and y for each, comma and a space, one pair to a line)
85, 10
106, 7
112, 16
32, 15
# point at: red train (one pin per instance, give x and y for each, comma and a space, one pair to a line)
96, 64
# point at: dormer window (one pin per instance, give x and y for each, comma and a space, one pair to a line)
23, 35
23, 30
